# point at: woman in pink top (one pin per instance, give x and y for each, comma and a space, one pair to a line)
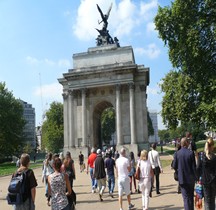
146, 173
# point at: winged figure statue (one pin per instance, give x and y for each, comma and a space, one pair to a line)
104, 17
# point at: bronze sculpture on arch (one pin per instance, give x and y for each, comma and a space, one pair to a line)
104, 37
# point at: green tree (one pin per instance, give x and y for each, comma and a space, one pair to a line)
188, 28
108, 124
52, 128
11, 123
164, 135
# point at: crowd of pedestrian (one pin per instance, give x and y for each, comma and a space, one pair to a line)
58, 174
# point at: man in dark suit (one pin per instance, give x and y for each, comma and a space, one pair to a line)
184, 163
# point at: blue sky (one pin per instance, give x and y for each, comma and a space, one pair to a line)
39, 38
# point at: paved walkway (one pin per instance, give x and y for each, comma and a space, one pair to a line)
167, 200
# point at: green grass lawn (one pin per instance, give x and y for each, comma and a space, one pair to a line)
166, 163
10, 168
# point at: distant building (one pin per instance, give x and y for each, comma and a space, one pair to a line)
29, 129
155, 137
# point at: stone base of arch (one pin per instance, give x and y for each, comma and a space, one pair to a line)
135, 148
75, 151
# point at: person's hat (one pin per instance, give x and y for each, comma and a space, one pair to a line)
99, 151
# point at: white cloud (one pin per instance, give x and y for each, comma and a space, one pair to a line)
147, 8
64, 63
32, 60
152, 51
86, 20
153, 91
67, 13
51, 91
124, 17
46, 61
150, 27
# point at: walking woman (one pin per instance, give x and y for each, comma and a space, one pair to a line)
132, 172
57, 184
146, 174
47, 170
68, 167
30, 185
207, 167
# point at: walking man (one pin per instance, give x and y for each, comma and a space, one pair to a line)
100, 174
81, 161
154, 158
184, 163
90, 164
109, 165
122, 169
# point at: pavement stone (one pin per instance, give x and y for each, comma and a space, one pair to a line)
167, 200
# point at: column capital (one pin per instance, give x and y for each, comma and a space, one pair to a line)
118, 87
131, 85
71, 92
83, 90
65, 95
143, 87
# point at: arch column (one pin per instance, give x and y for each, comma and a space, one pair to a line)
71, 119
145, 120
84, 118
132, 113
65, 115
118, 116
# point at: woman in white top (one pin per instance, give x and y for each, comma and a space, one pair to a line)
146, 174
47, 170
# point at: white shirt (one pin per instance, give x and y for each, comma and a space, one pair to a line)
145, 168
154, 158
122, 164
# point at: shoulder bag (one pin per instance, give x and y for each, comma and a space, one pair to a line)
137, 174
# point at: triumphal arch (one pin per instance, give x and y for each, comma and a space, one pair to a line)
105, 76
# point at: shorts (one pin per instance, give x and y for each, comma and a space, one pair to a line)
123, 186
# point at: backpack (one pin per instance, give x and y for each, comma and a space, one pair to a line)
16, 188
72, 200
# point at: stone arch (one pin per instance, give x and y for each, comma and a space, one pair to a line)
97, 111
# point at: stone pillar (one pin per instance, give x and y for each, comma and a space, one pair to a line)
132, 114
71, 119
145, 120
84, 118
65, 110
118, 115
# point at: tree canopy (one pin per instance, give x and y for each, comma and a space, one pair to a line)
108, 124
11, 123
188, 28
52, 128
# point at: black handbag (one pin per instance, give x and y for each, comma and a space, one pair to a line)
176, 175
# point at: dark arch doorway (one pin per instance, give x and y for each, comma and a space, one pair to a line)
98, 130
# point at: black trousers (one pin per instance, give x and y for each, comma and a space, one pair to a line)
187, 191
209, 195
157, 174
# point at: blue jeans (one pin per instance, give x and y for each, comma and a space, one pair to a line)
93, 180
66, 207
111, 183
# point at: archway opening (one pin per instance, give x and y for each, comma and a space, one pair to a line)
104, 125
